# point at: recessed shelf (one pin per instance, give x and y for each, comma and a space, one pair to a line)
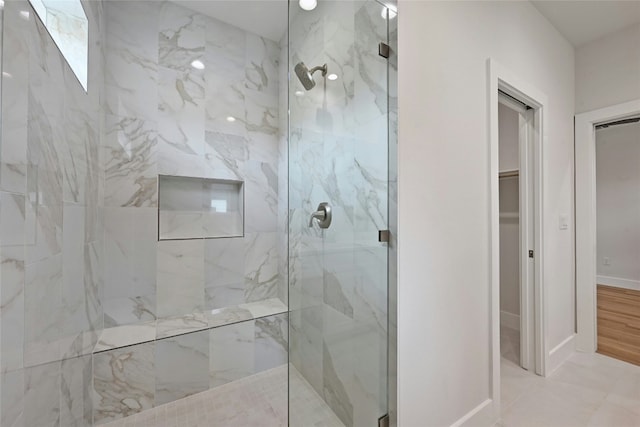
199, 208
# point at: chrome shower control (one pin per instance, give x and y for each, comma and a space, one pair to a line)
322, 215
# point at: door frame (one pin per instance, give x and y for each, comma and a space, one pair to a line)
586, 249
504, 80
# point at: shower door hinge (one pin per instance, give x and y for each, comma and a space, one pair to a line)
383, 421
530, 254
384, 50
383, 236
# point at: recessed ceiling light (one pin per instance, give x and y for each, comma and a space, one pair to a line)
308, 4
1, 4
393, 11
24, 14
231, 119
332, 76
197, 64
299, 93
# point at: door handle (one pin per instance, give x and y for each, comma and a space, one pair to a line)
322, 215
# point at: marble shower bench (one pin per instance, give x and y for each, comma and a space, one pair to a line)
139, 367
127, 335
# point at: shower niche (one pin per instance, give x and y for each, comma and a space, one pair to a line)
199, 208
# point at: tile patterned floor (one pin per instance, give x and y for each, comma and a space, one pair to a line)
307, 408
587, 390
256, 401
510, 344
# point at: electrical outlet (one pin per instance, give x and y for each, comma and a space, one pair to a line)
607, 261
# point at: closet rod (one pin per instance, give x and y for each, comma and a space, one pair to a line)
508, 174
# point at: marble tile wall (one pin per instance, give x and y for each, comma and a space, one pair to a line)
132, 379
338, 277
130, 159
51, 246
166, 117
283, 170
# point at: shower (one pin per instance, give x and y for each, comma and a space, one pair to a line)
306, 75
222, 208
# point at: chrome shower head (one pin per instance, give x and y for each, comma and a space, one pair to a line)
306, 75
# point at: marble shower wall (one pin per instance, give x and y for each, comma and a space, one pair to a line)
283, 169
50, 223
165, 117
339, 153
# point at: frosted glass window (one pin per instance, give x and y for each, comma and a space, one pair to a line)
68, 25
200, 208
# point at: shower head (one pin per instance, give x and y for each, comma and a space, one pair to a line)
306, 75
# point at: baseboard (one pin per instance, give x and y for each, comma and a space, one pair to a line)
484, 414
618, 282
510, 320
560, 354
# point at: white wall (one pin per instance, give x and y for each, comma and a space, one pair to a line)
618, 203
443, 149
608, 70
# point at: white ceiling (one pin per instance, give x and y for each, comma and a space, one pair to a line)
580, 21
584, 21
267, 18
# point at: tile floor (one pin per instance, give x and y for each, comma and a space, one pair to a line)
510, 344
587, 390
256, 401
307, 408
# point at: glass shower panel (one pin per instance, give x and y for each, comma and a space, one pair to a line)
338, 153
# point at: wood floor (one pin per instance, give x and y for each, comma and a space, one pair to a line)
619, 323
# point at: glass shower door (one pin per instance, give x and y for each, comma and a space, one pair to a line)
338, 154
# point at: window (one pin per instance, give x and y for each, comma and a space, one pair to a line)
68, 25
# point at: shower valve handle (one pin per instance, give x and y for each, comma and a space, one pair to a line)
323, 215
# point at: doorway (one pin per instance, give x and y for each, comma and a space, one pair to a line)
516, 228
531, 140
587, 258
618, 239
